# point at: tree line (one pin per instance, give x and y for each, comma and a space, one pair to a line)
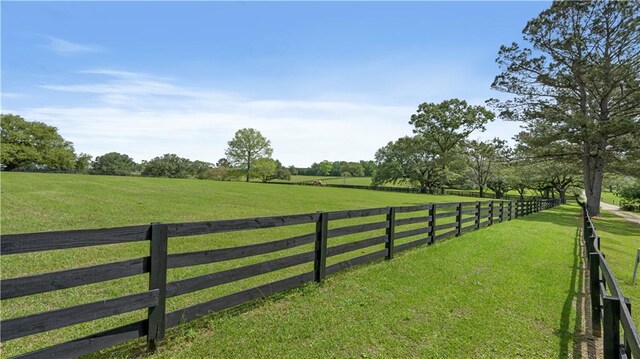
573, 84
36, 146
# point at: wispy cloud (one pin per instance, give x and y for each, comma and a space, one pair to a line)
64, 47
146, 116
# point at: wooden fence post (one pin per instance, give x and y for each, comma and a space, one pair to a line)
320, 262
501, 217
611, 334
627, 302
490, 213
459, 219
594, 288
510, 210
433, 223
391, 231
478, 210
157, 280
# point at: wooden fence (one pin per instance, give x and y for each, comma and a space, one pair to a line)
454, 192
610, 309
425, 221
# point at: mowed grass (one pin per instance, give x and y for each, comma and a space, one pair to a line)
620, 241
46, 202
610, 197
502, 292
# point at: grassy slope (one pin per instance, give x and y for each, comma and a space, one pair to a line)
44, 202
454, 299
490, 293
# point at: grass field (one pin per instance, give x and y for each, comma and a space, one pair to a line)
45, 202
487, 293
610, 197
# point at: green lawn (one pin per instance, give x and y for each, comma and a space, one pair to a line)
505, 291
610, 197
44, 202
487, 293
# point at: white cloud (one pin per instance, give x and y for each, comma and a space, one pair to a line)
146, 116
64, 47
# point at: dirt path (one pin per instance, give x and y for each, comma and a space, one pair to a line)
632, 217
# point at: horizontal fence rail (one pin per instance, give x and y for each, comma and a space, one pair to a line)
610, 309
390, 230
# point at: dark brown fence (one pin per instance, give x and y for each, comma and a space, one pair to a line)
454, 192
404, 227
610, 309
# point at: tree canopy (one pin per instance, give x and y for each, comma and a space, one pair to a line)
447, 124
169, 165
114, 163
33, 144
247, 145
578, 83
409, 160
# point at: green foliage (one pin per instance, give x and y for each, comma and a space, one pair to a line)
264, 168
630, 195
322, 169
485, 159
577, 87
197, 168
27, 144
219, 174
114, 163
267, 169
411, 160
168, 165
247, 145
447, 124
223, 162
369, 168
83, 162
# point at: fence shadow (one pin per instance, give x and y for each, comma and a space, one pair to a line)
580, 334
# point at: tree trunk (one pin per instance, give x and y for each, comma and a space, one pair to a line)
593, 169
423, 188
563, 195
481, 191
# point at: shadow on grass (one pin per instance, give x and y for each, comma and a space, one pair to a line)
576, 292
566, 216
192, 330
616, 225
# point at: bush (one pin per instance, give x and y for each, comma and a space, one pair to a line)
630, 196
220, 174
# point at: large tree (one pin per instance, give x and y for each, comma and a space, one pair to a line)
447, 124
411, 160
485, 159
578, 82
33, 144
114, 163
248, 145
169, 165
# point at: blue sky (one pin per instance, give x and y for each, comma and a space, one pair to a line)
321, 80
